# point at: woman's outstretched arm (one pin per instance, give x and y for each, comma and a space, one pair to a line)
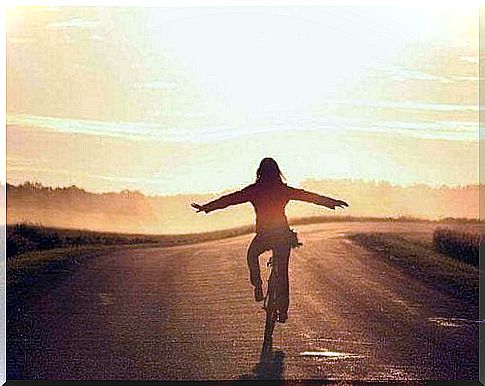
235, 198
303, 195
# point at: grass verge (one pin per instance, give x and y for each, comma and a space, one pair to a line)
419, 259
30, 274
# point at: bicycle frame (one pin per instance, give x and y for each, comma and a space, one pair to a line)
270, 303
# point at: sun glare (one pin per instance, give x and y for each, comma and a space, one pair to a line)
332, 92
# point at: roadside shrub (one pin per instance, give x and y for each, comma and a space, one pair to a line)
461, 245
17, 244
23, 238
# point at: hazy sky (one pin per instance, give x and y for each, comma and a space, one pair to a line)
174, 100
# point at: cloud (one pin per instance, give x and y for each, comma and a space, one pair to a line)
450, 130
157, 85
468, 78
20, 40
469, 59
97, 38
403, 74
74, 24
405, 105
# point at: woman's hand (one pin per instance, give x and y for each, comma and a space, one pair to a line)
339, 204
200, 208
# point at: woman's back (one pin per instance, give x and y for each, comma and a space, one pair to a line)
269, 201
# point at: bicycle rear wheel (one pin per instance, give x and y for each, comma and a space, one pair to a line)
271, 310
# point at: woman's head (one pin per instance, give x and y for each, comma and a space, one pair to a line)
269, 171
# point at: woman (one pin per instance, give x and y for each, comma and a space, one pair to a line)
269, 196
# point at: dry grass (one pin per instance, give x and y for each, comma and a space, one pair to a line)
461, 245
420, 259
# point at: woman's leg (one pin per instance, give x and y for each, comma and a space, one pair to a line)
256, 248
281, 253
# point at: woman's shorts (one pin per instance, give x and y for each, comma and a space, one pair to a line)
279, 236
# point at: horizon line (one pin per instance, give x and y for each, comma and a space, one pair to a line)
306, 180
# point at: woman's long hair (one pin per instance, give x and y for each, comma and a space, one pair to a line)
269, 171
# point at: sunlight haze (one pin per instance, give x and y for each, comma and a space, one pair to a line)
188, 100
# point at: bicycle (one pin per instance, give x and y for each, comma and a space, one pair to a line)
270, 304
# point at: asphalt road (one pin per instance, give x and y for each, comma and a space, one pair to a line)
187, 313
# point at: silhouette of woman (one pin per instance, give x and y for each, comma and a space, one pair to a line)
269, 196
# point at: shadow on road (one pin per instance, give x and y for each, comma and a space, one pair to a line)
270, 365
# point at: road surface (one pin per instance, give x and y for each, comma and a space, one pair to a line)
187, 313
